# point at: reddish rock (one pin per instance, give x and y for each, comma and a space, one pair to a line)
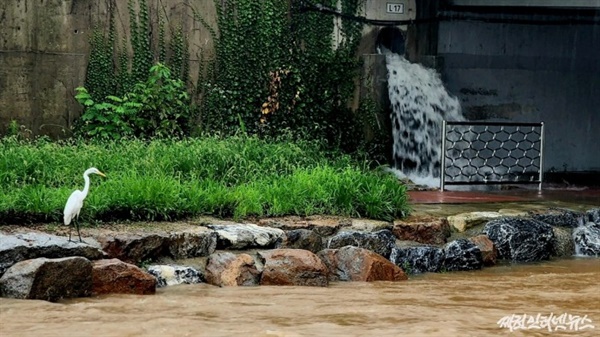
117, 277
357, 264
228, 269
428, 230
292, 267
487, 247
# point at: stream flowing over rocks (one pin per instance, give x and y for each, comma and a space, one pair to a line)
287, 251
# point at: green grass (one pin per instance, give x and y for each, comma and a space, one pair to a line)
233, 177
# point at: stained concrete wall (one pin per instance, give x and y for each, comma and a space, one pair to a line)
530, 73
44, 48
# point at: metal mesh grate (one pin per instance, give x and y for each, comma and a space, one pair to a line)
491, 153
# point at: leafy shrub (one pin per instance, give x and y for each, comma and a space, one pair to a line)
158, 107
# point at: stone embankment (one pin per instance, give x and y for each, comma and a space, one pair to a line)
286, 251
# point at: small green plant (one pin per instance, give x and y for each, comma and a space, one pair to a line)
145, 264
407, 268
158, 107
13, 128
17, 131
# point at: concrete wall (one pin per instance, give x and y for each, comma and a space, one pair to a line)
530, 73
44, 52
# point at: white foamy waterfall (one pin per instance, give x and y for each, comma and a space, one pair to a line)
420, 103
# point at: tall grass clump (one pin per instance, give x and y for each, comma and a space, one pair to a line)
168, 179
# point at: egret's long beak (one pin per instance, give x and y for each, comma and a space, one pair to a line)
102, 174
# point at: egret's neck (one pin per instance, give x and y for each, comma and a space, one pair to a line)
86, 188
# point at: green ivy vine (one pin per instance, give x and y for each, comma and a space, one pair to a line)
277, 69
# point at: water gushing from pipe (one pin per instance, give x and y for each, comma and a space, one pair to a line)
420, 103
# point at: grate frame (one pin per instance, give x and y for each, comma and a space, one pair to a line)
491, 153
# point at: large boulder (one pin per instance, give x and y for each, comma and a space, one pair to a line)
48, 279
26, 246
368, 225
381, 242
521, 240
463, 221
489, 253
462, 254
228, 269
587, 239
357, 264
292, 267
418, 259
303, 239
433, 231
244, 236
113, 276
134, 248
170, 275
324, 226
198, 242
558, 217
140, 247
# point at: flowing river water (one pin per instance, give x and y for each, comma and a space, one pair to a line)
446, 304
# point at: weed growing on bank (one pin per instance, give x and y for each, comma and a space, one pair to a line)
172, 179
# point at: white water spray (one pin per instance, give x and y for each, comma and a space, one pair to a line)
420, 103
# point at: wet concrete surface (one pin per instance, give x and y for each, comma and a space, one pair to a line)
435, 202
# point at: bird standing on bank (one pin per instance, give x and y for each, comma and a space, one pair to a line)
75, 202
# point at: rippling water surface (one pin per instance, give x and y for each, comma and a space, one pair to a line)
450, 304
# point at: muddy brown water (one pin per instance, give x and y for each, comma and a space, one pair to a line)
447, 304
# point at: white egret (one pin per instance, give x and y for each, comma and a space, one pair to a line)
75, 201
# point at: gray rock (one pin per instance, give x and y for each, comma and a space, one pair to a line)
521, 240
167, 275
140, 247
200, 242
558, 217
368, 225
20, 247
48, 279
303, 239
563, 244
587, 239
243, 236
135, 248
418, 259
381, 242
593, 215
462, 254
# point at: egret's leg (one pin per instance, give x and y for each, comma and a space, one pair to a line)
70, 228
78, 232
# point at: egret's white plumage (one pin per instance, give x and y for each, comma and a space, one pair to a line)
75, 201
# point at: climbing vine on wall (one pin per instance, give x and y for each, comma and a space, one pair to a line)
121, 69
278, 69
